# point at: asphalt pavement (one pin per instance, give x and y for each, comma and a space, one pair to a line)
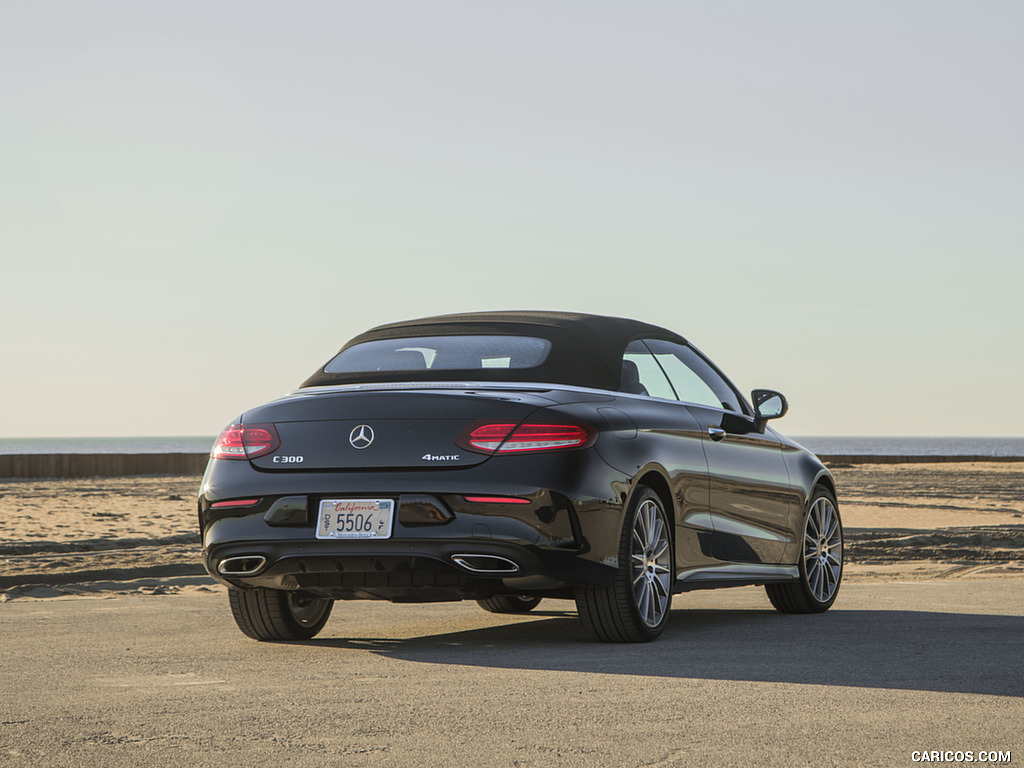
167, 680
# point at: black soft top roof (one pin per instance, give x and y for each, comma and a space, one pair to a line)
586, 350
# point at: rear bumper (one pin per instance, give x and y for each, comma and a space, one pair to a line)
405, 570
552, 542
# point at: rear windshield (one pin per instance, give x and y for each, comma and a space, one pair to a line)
441, 353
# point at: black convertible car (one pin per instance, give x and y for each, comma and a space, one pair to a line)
507, 457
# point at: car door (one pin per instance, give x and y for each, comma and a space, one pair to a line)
663, 431
751, 498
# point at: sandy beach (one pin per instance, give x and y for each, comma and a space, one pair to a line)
65, 537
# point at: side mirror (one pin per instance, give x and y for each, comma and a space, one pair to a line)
768, 404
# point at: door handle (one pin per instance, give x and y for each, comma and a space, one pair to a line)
718, 435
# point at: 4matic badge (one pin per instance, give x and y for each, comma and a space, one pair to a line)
432, 457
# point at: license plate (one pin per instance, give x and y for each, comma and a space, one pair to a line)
355, 519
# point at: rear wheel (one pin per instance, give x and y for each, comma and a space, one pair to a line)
635, 607
509, 603
821, 561
274, 614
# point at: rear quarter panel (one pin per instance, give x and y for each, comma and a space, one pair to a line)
658, 444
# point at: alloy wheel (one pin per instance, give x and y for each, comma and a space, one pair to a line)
307, 610
823, 550
652, 563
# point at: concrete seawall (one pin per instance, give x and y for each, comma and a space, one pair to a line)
40, 465
34, 465
867, 459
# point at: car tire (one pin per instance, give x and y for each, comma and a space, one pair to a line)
274, 614
821, 560
634, 608
509, 603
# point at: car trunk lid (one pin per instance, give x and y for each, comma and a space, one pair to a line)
359, 430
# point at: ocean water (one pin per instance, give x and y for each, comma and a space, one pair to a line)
855, 446
914, 446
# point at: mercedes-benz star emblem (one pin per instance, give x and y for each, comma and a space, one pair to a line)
361, 437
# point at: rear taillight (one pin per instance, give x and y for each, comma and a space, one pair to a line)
234, 503
246, 441
509, 438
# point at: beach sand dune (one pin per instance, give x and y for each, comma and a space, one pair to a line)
928, 496
76, 509
84, 536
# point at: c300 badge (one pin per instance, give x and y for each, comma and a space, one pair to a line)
360, 437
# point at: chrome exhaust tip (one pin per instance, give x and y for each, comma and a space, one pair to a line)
486, 564
246, 565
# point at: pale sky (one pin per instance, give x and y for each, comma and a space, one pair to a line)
201, 201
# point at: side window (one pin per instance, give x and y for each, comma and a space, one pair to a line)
694, 380
641, 374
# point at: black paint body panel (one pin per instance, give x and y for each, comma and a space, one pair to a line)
738, 501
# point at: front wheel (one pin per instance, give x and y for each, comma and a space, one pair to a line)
509, 603
274, 614
635, 607
821, 561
